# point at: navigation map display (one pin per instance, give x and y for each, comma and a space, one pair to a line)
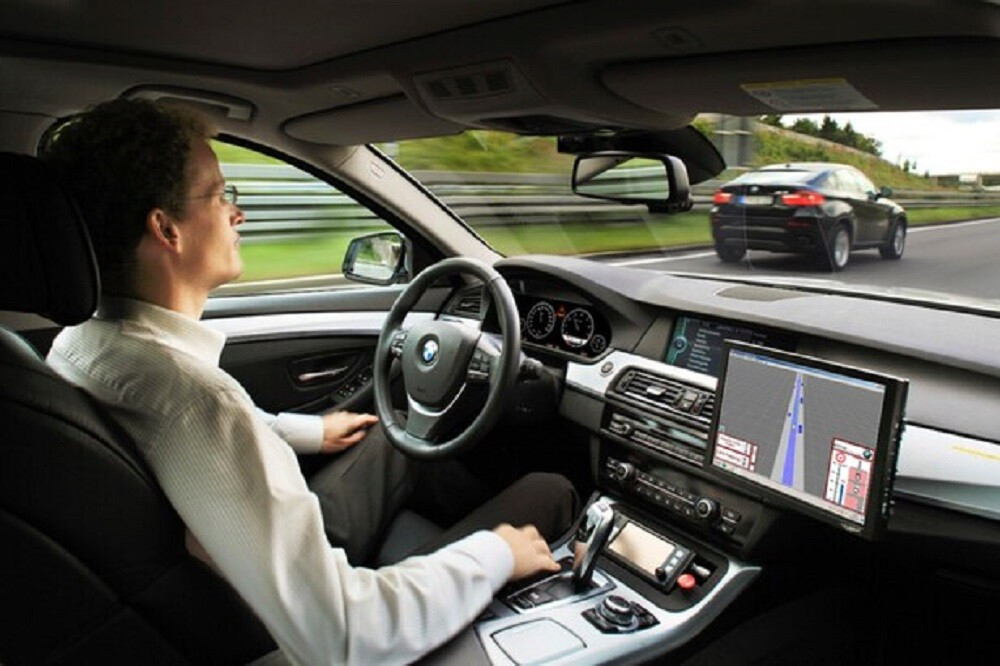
812, 433
696, 344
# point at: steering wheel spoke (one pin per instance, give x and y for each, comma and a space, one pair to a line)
427, 423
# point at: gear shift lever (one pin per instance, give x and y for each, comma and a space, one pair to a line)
591, 536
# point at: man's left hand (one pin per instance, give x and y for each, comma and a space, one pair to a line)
342, 430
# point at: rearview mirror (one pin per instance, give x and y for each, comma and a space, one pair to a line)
379, 258
660, 182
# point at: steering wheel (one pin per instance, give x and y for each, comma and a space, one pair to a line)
440, 359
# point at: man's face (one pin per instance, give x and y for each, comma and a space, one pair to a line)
208, 223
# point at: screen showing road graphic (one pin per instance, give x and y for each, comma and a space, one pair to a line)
806, 432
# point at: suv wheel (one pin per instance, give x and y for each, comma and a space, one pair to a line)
730, 254
838, 249
897, 242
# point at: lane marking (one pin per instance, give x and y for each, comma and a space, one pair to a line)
655, 260
304, 278
974, 452
953, 225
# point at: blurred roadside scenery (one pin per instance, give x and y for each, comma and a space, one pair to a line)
514, 191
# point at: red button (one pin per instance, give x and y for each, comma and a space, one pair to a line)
686, 581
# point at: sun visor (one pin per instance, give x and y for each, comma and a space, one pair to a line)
871, 76
385, 119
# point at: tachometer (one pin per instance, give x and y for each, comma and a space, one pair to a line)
577, 328
541, 320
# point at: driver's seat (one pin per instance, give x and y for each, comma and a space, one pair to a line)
93, 567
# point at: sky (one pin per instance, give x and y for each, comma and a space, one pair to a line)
941, 142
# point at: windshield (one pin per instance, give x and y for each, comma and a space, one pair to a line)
900, 203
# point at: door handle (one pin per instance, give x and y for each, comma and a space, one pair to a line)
330, 373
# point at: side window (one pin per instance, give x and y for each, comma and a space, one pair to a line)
866, 186
842, 181
297, 227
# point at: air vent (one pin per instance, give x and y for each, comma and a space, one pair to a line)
468, 304
693, 404
469, 85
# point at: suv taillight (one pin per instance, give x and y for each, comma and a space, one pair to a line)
721, 197
802, 198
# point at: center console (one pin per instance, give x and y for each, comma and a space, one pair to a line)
652, 590
691, 469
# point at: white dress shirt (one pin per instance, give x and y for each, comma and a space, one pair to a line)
237, 486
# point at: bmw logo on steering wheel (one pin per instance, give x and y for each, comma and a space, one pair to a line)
429, 352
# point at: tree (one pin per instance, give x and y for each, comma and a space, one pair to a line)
772, 119
806, 126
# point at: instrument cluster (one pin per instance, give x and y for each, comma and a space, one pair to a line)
569, 327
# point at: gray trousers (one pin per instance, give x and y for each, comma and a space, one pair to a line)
362, 489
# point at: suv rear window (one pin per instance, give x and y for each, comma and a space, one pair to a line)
776, 177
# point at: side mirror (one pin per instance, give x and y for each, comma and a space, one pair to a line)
884, 192
660, 182
380, 258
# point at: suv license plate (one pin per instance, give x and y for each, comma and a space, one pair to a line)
756, 200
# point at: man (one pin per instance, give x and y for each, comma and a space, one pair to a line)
163, 223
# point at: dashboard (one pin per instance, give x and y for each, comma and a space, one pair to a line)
641, 353
691, 411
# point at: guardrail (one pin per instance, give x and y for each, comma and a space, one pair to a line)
283, 202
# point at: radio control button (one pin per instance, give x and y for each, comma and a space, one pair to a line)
623, 471
706, 508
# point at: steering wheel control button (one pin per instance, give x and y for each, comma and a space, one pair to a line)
479, 367
396, 348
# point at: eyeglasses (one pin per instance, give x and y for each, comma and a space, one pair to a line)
229, 194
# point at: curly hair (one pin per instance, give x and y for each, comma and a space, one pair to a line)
120, 160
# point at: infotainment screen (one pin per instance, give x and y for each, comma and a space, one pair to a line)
808, 434
696, 344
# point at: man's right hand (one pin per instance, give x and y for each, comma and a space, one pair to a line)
531, 553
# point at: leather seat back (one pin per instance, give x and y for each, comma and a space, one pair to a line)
93, 567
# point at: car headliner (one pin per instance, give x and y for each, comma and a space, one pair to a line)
344, 73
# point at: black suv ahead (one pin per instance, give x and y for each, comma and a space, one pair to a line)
820, 209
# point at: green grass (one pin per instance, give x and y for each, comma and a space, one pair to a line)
677, 230
230, 154
918, 216
317, 256
773, 148
283, 259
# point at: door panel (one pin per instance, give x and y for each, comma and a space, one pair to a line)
308, 352
306, 375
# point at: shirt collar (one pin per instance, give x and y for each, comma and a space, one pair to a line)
166, 327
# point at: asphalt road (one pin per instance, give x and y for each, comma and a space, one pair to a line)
961, 258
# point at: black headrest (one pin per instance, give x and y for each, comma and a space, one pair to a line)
47, 264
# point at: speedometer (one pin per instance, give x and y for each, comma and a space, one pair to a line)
577, 328
541, 320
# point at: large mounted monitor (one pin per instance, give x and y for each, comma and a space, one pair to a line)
807, 434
